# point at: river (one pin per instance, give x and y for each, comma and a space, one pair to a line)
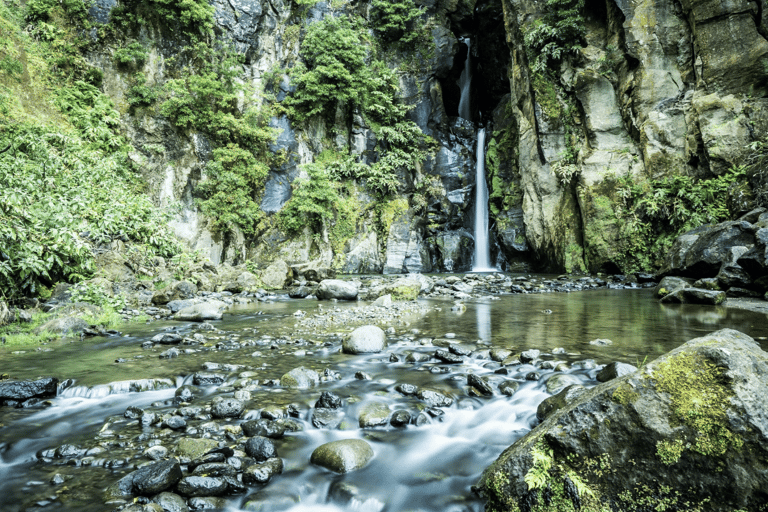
429, 467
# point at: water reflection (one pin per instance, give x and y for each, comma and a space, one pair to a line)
483, 317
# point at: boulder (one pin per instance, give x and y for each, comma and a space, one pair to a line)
368, 339
194, 448
247, 282
614, 371
558, 401
300, 378
227, 407
202, 486
5, 313
403, 289
312, 271
260, 448
65, 325
670, 284
262, 472
21, 390
337, 289
113, 266
374, 414
342, 456
277, 276
694, 296
211, 310
687, 428
149, 480
171, 502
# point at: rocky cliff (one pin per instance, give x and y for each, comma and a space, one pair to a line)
613, 126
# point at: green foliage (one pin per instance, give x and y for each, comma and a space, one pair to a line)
333, 68
394, 20
757, 170
653, 213
190, 19
700, 400
93, 294
44, 10
140, 94
559, 33
92, 113
228, 193
537, 476
132, 55
205, 99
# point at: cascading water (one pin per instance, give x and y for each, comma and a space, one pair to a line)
482, 259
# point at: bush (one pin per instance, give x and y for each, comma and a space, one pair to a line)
560, 32
393, 20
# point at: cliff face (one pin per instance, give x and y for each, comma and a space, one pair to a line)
649, 90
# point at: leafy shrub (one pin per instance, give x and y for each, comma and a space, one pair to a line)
190, 19
560, 32
394, 20
92, 294
132, 55
43, 10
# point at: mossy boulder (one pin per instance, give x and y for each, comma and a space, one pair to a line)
689, 427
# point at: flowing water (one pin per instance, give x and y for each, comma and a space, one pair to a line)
430, 467
482, 260
465, 83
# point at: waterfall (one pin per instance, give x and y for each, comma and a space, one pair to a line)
482, 261
465, 80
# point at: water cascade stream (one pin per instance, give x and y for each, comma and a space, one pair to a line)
482, 256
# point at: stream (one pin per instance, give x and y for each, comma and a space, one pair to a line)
429, 465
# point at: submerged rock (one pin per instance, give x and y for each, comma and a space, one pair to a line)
343, 456
688, 427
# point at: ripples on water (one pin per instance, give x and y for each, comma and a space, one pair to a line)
429, 468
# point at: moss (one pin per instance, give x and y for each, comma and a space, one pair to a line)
404, 293
669, 451
388, 211
624, 394
699, 400
574, 258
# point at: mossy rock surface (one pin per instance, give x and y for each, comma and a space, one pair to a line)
689, 427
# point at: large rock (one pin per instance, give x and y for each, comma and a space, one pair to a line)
688, 427
300, 378
211, 310
342, 456
277, 276
694, 296
5, 313
368, 339
21, 390
336, 289
149, 480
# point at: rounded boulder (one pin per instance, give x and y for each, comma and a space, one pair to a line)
342, 456
368, 339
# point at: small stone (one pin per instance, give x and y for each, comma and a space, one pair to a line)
260, 448
343, 456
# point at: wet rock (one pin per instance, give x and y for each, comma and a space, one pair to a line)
171, 502
214, 469
373, 414
434, 398
187, 393
202, 486
509, 387
194, 448
65, 326
208, 379
479, 384
694, 419
400, 418
167, 338
327, 418
447, 357
263, 427
328, 400
212, 310
560, 400
416, 357
336, 289
21, 390
365, 340
300, 378
152, 479
559, 382
383, 302
260, 448
207, 503
529, 356
301, 292
227, 407
614, 371
176, 423
601, 342
156, 452
343, 456
500, 354
68, 451
263, 472
695, 296
670, 284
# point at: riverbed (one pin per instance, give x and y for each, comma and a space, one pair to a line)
428, 465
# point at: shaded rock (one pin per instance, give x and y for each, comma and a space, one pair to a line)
327, 418
670, 284
208, 379
207, 503
447, 357
5, 313
558, 382
732, 275
150, 479
480, 384
212, 310
365, 340
342, 456
601, 342
263, 472
202, 486
615, 370
65, 326
328, 400
529, 356
187, 393
214, 469
374, 414
263, 427
301, 292
560, 400
21, 390
167, 338
171, 502
336, 289
509, 387
300, 378
694, 420
694, 296
400, 418
260, 448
